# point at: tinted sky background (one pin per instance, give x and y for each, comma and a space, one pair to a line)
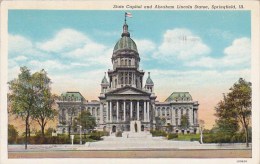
201, 52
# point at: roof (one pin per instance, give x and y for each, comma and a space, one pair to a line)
72, 96
125, 43
104, 80
179, 96
149, 81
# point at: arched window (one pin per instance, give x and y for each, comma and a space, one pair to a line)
130, 80
168, 112
163, 112
125, 61
122, 80
129, 62
126, 80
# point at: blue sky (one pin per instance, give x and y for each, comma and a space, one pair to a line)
195, 51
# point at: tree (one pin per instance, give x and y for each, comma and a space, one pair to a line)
240, 98
22, 98
226, 123
12, 134
30, 98
86, 120
235, 109
185, 121
44, 100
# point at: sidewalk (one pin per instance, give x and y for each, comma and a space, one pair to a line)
118, 143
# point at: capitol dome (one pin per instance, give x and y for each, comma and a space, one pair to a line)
125, 42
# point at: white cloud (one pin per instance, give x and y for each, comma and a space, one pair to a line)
49, 65
145, 47
182, 44
21, 46
237, 54
20, 58
64, 40
18, 44
88, 50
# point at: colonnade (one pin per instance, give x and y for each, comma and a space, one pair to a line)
132, 110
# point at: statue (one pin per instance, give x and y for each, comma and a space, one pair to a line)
135, 127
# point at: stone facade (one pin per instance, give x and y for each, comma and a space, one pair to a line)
124, 98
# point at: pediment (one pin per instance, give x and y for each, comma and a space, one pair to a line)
128, 91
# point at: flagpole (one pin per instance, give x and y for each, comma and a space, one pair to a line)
125, 17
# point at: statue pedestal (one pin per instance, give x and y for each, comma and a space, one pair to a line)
135, 126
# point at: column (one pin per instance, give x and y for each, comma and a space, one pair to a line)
148, 111
156, 111
124, 78
131, 110
196, 117
191, 117
132, 78
91, 111
101, 113
137, 110
117, 111
95, 109
179, 118
107, 112
145, 111
111, 110
173, 116
160, 111
124, 110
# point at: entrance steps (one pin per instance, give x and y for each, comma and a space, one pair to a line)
136, 135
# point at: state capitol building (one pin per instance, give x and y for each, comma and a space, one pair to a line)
126, 97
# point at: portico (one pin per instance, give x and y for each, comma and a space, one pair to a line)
127, 104
127, 110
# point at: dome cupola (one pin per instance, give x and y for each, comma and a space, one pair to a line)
125, 42
149, 81
104, 80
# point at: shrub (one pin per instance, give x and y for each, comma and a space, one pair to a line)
172, 136
49, 131
119, 134
12, 134
60, 139
156, 133
104, 133
95, 135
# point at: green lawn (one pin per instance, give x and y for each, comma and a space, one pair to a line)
188, 137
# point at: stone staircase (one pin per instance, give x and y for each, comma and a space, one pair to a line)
136, 135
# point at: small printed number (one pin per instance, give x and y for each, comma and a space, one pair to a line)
241, 161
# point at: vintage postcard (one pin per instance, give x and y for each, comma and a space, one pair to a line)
129, 81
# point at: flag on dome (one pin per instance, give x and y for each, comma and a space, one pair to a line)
127, 14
